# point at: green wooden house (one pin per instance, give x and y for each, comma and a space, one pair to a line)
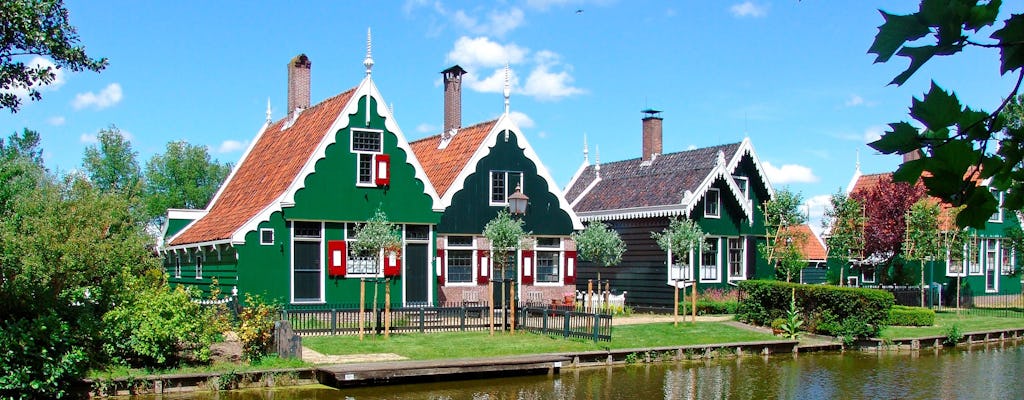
720, 187
986, 266
281, 224
475, 170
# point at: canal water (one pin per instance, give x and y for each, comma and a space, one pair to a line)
993, 371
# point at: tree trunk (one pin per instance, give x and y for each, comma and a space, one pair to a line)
490, 304
362, 307
675, 303
693, 301
512, 306
387, 307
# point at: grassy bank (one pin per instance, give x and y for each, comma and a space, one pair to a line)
481, 344
944, 322
268, 363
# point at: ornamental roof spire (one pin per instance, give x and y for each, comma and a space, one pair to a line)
586, 150
269, 118
508, 90
368, 62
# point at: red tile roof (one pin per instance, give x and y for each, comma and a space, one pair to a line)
812, 247
443, 165
271, 166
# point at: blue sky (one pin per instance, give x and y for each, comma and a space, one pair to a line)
793, 76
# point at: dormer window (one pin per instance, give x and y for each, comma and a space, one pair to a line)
366, 144
503, 184
712, 204
998, 216
744, 185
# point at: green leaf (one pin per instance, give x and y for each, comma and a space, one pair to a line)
980, 207
938, 110
901, 139
983, 15
1011, 40
909, 171
918, 56
896, 30
971, 125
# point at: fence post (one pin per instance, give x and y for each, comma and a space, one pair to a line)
423, 317
380, 325
597, 326
565, 327
334, 322
462, 318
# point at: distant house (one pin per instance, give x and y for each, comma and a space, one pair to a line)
720, 187
986, 264
815, 256
282, 223
475, 170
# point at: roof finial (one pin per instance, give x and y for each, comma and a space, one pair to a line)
508, 90
368, 62
858, 160
597, 160
269, 118
586, 150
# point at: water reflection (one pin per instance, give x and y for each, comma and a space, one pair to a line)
992, 371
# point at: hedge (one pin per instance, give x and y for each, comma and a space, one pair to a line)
710, 307
763, 301
910, 316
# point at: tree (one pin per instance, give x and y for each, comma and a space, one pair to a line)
783, 245
21, 167
372, 240
37, 28
678, 239
957, 140
507, 236
922, 242
844, 221
885, 209
111, 163
600, 245
184, 176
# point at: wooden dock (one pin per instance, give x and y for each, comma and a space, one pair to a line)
392, 372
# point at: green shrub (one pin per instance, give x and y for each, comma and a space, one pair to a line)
910, 316
256, 329
710, 307
157, 327
863, 312
39, 358
953, 335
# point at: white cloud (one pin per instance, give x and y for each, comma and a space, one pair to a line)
544, 83
854, 101
56, 121
691, 147
748, 9
36, 62
485, 59
107, 97
521, 120
427, 128
494, 83
542, 134
815, 207
231, 146
789, 173
496, 23
88, 138
482, 52
873, 133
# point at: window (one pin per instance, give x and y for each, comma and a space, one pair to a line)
503, 184
417, 232
955, 262
681, 267
712, 204
991, 252
199, 267
867, 273
548, 259
177, 266
709, 260
365, 144
459, 259
360, 265
266, 236
307, 251
1007, 257
998, 216
744, 185
974, 256
736, 267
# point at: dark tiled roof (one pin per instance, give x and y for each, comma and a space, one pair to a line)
443, 165
270, 167
629, 184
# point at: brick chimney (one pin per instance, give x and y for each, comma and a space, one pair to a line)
652, 134
298, 83
911, 156
452, 98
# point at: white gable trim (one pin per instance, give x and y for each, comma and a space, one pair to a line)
585, 192
720, 171
638, 212
746, 147
504, 123
576, 176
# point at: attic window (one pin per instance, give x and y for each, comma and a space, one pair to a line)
266, 236
998, 215
365, 144
503, 184
744, 185
712, 204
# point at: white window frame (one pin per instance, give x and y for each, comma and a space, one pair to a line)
998, 216
263, 242
558, 264
745, 186
1007, 258
962, 262
291, 262
874, 274
350, 261
974, 261
199, 266
177, 265
743, 258
718, 204
509, 188
685, 271
473, 260
992, 249
361, 153
718, 260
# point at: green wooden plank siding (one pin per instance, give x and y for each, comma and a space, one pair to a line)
220, 266
175, 225
470, 209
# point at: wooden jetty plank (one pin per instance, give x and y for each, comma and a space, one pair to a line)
407, 371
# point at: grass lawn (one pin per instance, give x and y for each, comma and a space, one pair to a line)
945, 320
481, 344
267, 363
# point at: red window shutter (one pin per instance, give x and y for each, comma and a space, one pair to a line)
570, 268
481, 258
336, 258
383, 164
392, 265
528, 271
440, 266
